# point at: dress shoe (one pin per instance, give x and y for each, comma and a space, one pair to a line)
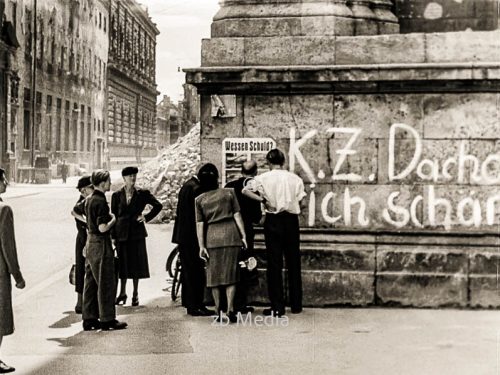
296, 310
271, 312
233, 317
200, 312
113, 325
135, 301
91, 324
206, 312
4, 368
246, 309
121, 300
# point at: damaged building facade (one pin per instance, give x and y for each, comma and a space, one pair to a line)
61, 64
66, 103
131, 82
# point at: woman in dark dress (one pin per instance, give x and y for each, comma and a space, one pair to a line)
85, 187
221, 233
129, 233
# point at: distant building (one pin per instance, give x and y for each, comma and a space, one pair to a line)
67, 52
191, 104
131, 85
9, 91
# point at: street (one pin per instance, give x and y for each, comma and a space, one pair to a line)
162, 339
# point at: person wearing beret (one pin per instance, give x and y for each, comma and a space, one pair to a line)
129, 233
86, 189
9, 267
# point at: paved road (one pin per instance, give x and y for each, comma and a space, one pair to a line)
161, 339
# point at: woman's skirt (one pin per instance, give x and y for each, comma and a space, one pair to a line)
133, 259
81, 240
222, 266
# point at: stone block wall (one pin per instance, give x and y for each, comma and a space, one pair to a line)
416, 163
446, 15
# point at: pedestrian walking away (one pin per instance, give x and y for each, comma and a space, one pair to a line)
281, 192
251, 214
64, 171
99, 287
86, 189
193, 278
221, 234
9, 267
129, 232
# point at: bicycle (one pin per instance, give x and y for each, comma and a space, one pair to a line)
174, 269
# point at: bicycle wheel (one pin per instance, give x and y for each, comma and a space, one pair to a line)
176, 282
171, 261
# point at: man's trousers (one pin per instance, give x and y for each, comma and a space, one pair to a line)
282, 238
99, 290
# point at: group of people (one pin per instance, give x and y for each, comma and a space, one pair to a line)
100, 230
214, 229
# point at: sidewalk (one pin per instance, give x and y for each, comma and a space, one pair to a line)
17, 190
162, 339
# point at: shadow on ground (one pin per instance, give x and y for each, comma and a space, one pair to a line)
151, 330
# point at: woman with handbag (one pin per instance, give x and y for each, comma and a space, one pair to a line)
86, 189
221, 234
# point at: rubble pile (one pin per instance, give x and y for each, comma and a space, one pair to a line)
165, 174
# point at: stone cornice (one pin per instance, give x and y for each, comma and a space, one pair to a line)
445, 77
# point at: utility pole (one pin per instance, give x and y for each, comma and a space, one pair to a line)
33, 85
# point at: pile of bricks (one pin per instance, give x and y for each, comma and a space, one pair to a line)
165, 174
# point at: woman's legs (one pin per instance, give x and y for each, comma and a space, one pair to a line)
230, 292
123, 287
79, 301
216, 294
136, 286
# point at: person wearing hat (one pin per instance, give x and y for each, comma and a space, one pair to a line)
9, 266
193, 277
86, 189
128, 205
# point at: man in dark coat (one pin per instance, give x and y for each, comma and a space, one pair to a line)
193, 268
9, 267
251, 213
99, 289
128, 204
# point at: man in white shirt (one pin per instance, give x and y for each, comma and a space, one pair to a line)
281, 192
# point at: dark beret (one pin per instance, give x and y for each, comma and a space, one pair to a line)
127, 171
84, 182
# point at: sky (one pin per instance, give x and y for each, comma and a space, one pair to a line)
182, 24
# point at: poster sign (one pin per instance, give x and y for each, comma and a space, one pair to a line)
235, 151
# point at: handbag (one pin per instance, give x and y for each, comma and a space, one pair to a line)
248, 268
72, 275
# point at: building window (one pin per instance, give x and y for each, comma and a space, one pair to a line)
48, 108
75, 126
38, 125
82, 134
100, 20
27, 130
89, 128
27, 38
49, 134
66, 134
58, 124
104, 24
